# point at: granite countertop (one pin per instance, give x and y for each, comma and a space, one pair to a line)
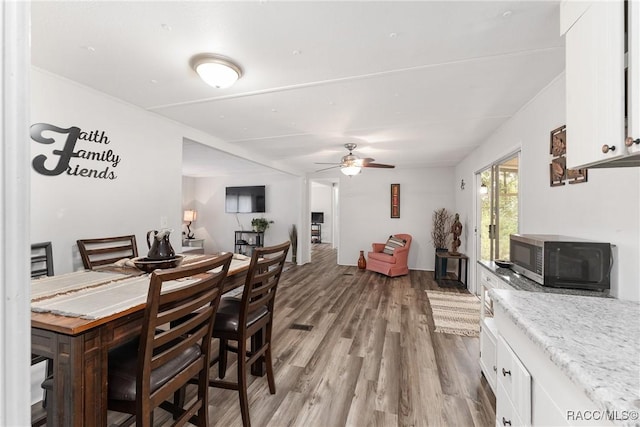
521, 283
594, 341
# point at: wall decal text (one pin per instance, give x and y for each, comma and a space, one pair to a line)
90, 161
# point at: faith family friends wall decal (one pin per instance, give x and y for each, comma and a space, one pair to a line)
89, 161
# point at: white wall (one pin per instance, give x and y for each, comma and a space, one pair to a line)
217, 227
148, 185
606, 208
322, 201
365, 213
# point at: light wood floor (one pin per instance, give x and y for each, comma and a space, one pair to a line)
371, 358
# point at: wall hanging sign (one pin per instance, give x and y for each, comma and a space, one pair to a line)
74, 152
395, 200
558, 173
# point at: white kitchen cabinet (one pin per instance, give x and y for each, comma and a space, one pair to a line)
550, 399
513, 401
633, 77
488, 329
594, 41
488, 334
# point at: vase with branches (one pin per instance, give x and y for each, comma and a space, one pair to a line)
440, 231
440, 235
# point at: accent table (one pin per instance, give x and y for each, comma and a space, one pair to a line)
441, 276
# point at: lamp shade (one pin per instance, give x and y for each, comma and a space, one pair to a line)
216, 70
190, 215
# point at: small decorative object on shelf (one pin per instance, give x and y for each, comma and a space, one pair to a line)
362, 262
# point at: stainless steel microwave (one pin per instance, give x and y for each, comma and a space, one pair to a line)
561, 261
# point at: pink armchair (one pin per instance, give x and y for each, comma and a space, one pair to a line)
390, 265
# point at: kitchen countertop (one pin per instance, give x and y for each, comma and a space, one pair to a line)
594, 341
521, 283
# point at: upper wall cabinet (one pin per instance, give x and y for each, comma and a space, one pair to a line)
603, 78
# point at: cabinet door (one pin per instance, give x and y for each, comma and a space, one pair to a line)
595, 85
514, 377
633, 74
488, 352
506, 413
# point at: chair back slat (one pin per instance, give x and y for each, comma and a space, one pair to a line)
104, 251
186, 317
41, 259
262, 279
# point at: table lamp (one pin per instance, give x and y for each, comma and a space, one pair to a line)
189, 216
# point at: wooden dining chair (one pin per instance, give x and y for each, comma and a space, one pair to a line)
173, 347
41, 265
238, 319
41, 260
107, 250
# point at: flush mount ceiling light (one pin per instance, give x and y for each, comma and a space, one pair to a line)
216, 70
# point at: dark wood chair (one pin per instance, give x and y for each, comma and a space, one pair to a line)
41, 265
238, 319
41, 260
174, 346
97, 252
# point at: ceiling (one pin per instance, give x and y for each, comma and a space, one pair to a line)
415, 84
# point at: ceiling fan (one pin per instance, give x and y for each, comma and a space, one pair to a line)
351, 164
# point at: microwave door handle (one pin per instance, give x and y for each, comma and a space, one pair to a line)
610, 263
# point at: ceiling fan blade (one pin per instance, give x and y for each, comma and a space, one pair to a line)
330, 167
363, 162
377, 165
332, 163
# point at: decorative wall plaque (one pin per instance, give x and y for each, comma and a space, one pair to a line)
395, 200
558, 173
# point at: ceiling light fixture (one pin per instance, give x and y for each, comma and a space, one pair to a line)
216, 70
350, 170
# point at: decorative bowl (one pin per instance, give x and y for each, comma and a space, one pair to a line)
148, 265
503, 263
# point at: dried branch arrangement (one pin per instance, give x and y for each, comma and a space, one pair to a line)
441, 233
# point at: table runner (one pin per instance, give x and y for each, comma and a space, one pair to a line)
102, 301
50, 286
111, 297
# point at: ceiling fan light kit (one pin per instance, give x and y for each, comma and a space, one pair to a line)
351, 164
350, 170
216, 70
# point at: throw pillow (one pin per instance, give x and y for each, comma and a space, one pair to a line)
392, 244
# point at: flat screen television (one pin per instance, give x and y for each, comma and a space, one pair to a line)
246, 199
317, 217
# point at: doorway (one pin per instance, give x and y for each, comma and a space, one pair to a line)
498, 207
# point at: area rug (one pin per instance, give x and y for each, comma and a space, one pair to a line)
455, 313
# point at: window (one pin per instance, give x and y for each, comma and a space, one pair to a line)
498, 207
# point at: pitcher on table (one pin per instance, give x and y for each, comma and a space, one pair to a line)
161, 246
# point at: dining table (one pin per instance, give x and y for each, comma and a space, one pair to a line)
76, 318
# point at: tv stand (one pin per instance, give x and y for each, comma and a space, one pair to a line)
316, 233
246, 241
